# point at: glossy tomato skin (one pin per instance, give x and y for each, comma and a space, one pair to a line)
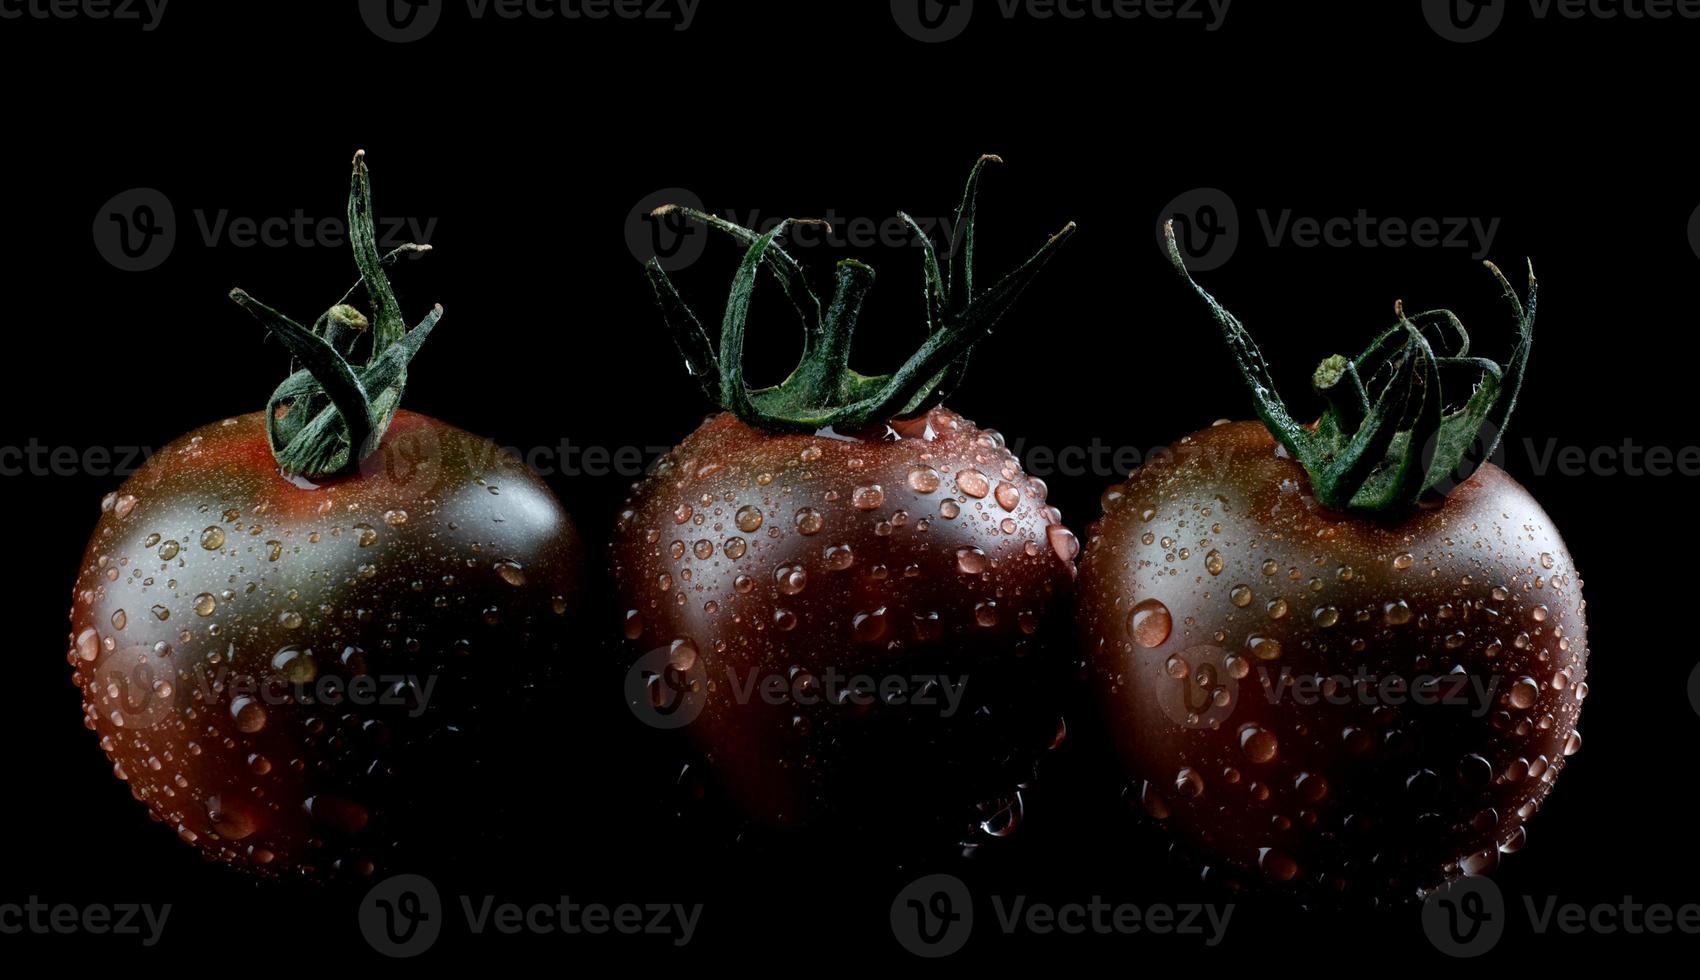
1214, 581
755, 557
320, 679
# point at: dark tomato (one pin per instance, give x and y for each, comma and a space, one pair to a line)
314, 678
853, 627
1336, 701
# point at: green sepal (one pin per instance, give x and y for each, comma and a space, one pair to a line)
1389, 437
823, 392
328, 416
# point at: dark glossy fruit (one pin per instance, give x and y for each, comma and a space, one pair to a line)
838, 586
1260, 659
308, 675
923, 560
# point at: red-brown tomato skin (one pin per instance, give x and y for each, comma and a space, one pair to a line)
943, 574
217, 600
1333, 790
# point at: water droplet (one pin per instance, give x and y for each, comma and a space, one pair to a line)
1396, 613
1240, 595
395, 518
212, 538
168, 550
365, 536
119, 620
682, 655
784, 620
1546, 560
1403, 561
1007, 496
289, 619
1063, 542
748, 518
1263, 647
923, 479
511, 572
1150, 623
1277, 865
948, 509
970, 561
1325, 616
735, 548
1524, 691
1214, 563
809, 521
868, 627
633, 627
205, 604
703, 549
867, 498
1189, 783
973, 483
791, 579
88, 645
295, 665
249, 714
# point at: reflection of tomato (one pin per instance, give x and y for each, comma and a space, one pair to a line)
1369, 702
837, 528
309, 673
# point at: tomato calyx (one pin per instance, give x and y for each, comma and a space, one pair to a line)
329, 415
823, 392
1390, 437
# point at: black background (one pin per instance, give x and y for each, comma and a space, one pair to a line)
530, 142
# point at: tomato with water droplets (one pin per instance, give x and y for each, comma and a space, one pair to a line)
1332, 697
305, 675
314, 640
840, 588
853, 624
